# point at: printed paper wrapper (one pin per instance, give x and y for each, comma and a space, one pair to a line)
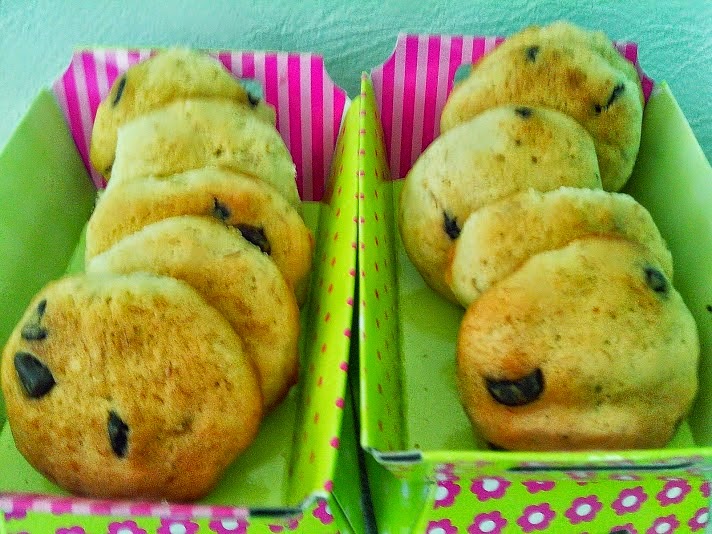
301, 473
419, 441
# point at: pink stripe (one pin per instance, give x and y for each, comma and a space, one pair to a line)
444, 81
454, 61
294, 102
387, 90
478, 49
432, 77
398, 96
328, 109
421, 74
409, 90
111, 68
307, 171
248, 66
73, 106
272, 93
319, 164
92, 84
226, 59
133, 56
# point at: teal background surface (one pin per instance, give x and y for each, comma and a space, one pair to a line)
37, 36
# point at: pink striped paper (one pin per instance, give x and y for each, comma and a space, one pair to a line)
411, 87
309, 105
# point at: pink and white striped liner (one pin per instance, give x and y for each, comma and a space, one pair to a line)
309, 106
18, 505
411, 87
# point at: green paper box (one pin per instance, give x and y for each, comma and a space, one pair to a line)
428, 472
301, 474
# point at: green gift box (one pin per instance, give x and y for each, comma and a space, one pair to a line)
301, 474
428, 471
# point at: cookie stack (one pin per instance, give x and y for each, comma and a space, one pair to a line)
573, 336
146, 376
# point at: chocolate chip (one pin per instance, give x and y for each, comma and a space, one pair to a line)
517, 392
656, 280
254, 100
220, 211
451, 227
34, 375
41, 307
494, 447
617, 91
620, 531
33, 331
532, 52
119, 90
118, 434
523, 111
256, 236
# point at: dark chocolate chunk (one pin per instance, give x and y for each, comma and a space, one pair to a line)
256, 236
532, 52
656, 280
494, 447
254, 100
41, 307
220, 211
523, 111
118, 434
517, 392
451, 227
617, 91
34, 375
33, 332
119, 90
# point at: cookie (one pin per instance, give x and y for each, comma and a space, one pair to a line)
191, 134
567, 68
129, 387
233, 276
501, 236
501, 152
172, 74
584, 347
261, 214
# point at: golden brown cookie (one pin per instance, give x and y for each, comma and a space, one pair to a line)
567, 68
501, 152
233, 276
584, 347
191, 134
172, 74
499, 237
261, 214
129, 387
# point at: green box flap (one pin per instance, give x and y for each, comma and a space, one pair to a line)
38, 231
673, 180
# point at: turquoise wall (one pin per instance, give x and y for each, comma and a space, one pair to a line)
37, 37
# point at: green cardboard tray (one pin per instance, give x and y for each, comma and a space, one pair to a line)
418, 440
297, 475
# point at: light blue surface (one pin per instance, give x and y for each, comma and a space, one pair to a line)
37, 37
